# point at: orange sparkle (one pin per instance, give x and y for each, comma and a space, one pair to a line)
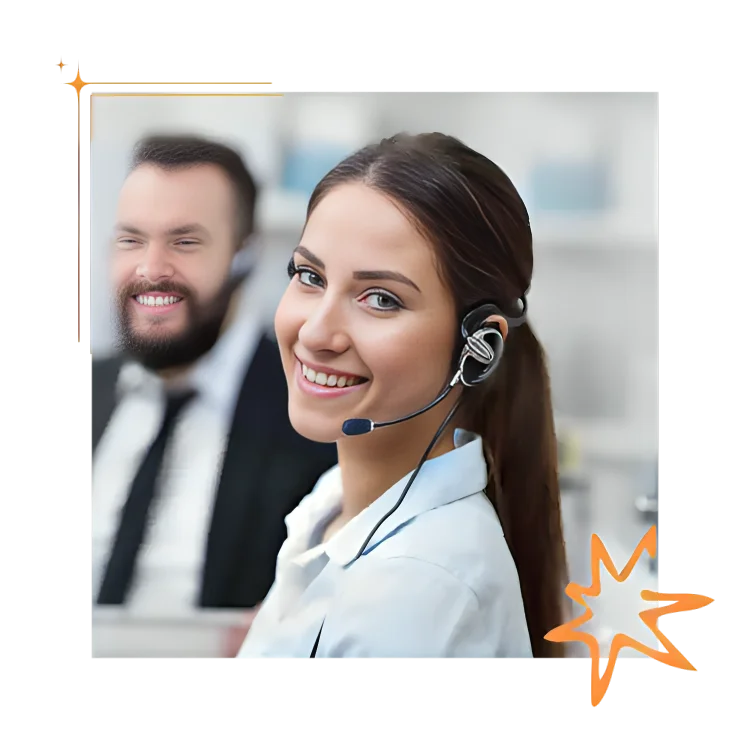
61, 64
567, 631
78, 83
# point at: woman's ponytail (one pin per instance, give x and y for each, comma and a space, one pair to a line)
513, 414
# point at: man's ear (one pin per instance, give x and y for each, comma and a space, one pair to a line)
502, 322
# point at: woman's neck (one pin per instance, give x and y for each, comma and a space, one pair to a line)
371, 464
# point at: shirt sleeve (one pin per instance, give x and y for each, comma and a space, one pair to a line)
405, 607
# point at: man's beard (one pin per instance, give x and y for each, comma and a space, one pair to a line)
201, 332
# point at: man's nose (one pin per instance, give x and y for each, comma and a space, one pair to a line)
155, 264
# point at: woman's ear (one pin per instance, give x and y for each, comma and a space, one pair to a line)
502, 322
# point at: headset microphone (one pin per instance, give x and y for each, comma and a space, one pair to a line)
362, 426
478, 360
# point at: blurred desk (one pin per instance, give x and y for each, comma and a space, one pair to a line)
203, 633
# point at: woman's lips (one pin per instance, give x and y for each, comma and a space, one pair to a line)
322, 391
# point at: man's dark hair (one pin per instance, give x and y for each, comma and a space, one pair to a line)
177, 152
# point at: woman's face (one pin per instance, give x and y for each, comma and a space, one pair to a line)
366, 304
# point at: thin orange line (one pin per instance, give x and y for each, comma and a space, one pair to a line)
79, 220
170, 93
178, 83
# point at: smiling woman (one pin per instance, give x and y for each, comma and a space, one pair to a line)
334, 316
407, 297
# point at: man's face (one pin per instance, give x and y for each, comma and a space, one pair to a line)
175, 238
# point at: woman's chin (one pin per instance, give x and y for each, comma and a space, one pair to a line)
314, 428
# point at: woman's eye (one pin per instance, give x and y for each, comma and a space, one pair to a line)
380, 301
309, 278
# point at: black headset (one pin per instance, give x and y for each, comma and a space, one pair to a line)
480, 349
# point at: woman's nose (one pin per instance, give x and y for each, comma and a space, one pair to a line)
325, 329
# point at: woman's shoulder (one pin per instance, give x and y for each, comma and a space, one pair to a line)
410, 601
465, 539
391, 607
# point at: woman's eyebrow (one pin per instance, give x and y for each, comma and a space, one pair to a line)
309, 255
360, 275
385, 276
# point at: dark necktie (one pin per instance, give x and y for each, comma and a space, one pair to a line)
118, 574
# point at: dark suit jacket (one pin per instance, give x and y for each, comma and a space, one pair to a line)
268, 468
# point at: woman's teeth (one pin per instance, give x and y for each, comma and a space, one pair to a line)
332, 381
145, 299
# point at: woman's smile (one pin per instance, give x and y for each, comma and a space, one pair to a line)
325, 382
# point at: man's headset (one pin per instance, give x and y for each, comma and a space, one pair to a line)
479, 357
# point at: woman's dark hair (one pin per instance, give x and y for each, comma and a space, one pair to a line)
473, 217
182, 151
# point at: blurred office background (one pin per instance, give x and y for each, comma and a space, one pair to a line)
586, 165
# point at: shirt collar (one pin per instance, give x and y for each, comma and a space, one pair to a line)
134, 377
442, 480
215, 376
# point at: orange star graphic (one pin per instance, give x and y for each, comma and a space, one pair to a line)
567, 631
61, 64
77, 83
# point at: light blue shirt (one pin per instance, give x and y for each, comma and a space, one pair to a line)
437, 579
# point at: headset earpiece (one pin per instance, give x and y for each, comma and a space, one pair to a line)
473, 321
483, 343
481, 355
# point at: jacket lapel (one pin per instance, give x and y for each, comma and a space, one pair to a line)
104, 375
239, 497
